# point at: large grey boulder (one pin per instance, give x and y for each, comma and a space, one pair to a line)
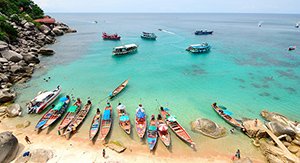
254, 128
46, 51
11, 55
280, 129
3, 46
6, 95
31, 58
14, 110
276, 117
208, 128
58, 31
8, 147
45, 29
3, 60
29, 25
3, 78
17, 68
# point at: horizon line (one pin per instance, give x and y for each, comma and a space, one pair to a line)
67, 12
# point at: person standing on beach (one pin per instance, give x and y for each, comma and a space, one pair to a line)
103, 153
238, 154
27, 140
255, 122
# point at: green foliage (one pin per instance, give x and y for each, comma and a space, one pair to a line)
7, 32
9, 7
25, 9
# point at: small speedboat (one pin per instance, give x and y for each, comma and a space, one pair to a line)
148, 36
291, 48
204, 32
297, 25
40, 102
199, 48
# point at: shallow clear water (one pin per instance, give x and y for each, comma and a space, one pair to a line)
248, 68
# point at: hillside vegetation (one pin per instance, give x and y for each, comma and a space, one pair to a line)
25, 9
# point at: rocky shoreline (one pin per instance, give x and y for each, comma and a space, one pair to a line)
20, 58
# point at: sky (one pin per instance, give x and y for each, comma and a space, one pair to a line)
170, 6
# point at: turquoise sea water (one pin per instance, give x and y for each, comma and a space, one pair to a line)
247, 70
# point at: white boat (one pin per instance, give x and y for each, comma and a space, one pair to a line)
199, 48
125, 49
40, 102
149, 36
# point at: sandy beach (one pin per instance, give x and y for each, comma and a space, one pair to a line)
79, 149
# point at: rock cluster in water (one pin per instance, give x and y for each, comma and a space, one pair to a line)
9, 147
287, 131
18, 59
208, 128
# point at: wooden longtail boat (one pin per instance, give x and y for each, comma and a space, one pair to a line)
176, 127
80, 116
106, 122
61, 105
71, 113
124, 120
152, 133
95, 125
140, 121
118, 89
162, 129
40, 102
233, 122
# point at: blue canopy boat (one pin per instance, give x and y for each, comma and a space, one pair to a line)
152, 133
199, 48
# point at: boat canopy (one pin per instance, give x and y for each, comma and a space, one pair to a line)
106, 115
126, 46
227, 112
72, 109
171, 118
199, 46
124, 118
140, 114
41, 97
58, 106
63, 99
152, 128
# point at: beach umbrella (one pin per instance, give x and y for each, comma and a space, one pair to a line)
163, 127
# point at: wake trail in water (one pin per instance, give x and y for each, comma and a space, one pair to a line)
172, 33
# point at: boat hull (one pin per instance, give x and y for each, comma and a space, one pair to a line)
105, 125
95, 126
44, 105
56, 116
178, 130
232, 122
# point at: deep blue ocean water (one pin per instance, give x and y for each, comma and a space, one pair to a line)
247, 70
